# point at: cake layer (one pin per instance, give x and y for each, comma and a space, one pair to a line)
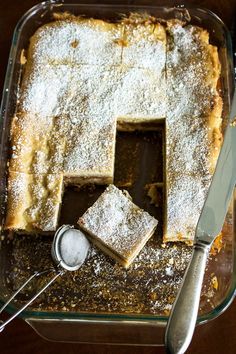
73, 91
193, 127
74, 111
132, 42
118, 226
30, 134
140, 95
33, 202
73, 131
144, 45
79, 150
83, 90
90, 149
77, 40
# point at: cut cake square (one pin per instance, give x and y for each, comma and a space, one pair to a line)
140, 97
33, 202
75, 41
144, 45
118, 226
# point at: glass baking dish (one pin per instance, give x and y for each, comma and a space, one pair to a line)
56, 316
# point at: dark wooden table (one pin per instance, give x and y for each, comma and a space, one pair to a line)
218, 336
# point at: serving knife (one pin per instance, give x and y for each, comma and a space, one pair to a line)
183, 317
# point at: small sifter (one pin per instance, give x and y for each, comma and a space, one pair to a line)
69, 251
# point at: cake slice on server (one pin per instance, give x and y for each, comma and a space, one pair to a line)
118, 226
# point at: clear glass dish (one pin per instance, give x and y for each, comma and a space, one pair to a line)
19, 256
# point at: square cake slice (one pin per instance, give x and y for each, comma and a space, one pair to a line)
144, 45
140, 97
118, 226
81, 41
33, 202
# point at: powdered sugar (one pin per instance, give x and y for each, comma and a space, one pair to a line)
81, 102
191, 93
141, 93
145, 47
73, 247
33, 201
117, 222
76, 42
17, 186
186, 195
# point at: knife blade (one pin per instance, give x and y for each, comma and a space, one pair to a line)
182, 320
216, 205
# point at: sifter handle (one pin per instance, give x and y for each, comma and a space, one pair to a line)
36, 274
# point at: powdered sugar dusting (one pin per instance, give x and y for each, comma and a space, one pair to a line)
80, 111
73, 247
17, 186
117, 222
76, 42
145, 46
191, 94
141, 93
34, 201
83, 103
186, 196
189, 73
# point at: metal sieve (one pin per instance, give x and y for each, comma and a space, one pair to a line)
69, 251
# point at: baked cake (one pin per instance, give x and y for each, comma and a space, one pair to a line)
57, 105
86, 78
118, 226
33, 201
193, 127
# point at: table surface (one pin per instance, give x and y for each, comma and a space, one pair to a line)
217, 336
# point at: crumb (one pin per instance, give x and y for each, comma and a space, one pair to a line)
153, 193
74, 44
214, 282
23, 59
217, 245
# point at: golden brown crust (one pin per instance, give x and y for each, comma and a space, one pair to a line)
33, 202
30, 137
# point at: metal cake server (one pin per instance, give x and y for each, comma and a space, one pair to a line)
182, 320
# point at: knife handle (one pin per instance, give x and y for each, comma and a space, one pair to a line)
183, 317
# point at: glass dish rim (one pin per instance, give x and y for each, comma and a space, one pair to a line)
37, 315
